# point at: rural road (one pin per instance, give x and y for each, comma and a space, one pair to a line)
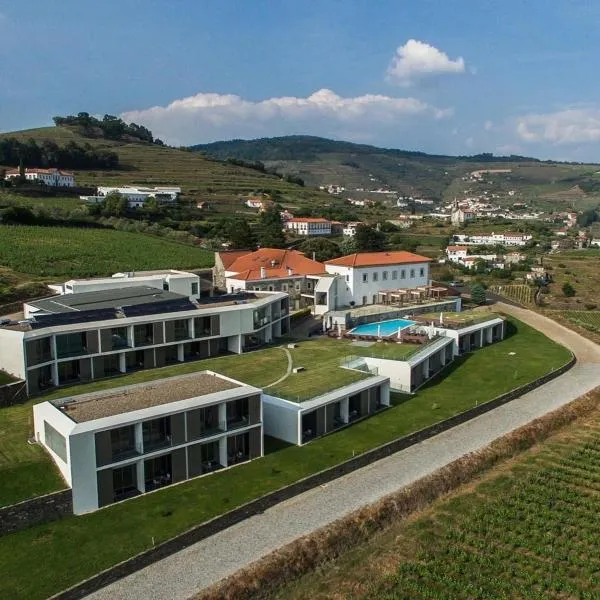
181, 575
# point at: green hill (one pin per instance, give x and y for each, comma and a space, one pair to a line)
321, 161
201, 178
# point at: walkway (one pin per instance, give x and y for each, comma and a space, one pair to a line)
181, 575
289, 369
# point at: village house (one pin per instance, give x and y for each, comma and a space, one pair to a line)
270, 270
136, 196
308, 226
50, 177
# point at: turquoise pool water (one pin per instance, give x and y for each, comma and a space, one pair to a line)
382, 328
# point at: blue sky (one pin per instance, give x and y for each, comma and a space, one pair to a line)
455, 77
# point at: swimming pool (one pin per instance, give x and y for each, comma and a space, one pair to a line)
381, 328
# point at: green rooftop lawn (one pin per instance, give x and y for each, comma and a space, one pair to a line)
6, 378
467, 316
78, 547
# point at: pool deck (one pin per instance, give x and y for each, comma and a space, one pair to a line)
381, 328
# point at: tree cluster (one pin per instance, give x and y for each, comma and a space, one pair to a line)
109, 127
49, 154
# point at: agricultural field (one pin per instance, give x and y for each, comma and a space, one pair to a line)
527, 529
74, 252
523, 294
585, 322
580, 269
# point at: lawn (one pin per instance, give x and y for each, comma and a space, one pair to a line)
80, 252
467, 316
527, 530
78, 547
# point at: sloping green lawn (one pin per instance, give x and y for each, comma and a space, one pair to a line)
78, 547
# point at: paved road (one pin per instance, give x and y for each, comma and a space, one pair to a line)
181, 575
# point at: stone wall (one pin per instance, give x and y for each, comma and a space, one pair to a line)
13, 393
35, 511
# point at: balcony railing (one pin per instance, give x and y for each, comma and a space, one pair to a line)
238, 421
158, 444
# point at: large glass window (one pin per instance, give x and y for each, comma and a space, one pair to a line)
195, 288
125, 482
157, 434
181, 329
143, 335
122, 442
157, 472
39, 351
71, 344
209, 420
202, 327
237, 413
55, 441
118, 338
238, 448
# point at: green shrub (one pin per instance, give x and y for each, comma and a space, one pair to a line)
568, 290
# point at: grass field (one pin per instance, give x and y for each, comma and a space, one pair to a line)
70, 252
78, 547
529, 529
66, 203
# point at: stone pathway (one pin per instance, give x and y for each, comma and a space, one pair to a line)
289, 369
180, 576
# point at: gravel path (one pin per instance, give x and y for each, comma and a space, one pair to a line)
181, 575
289, 369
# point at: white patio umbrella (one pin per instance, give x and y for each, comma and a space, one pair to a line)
431, 330
441, 318
378, 331
339, 328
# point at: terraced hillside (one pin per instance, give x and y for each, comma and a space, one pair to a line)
201, 178
321, 161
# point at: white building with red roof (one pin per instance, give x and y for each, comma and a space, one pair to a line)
309, 226
51, 177
358, 278
457, 253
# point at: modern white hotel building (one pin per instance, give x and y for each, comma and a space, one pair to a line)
80, 337
117, 444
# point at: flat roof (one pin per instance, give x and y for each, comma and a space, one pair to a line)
109, 298
89, 407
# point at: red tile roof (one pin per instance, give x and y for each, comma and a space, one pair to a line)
276, 263
374, 259
228, 257
456, 248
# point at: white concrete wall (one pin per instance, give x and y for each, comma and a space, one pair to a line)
45, 411
12, 352
281, 419
357, 288
84, 481
398, 371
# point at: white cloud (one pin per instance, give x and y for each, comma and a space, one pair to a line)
211, 116
488, 125
570, 126
417, 60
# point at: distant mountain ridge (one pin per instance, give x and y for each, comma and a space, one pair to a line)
321, 161
303, 147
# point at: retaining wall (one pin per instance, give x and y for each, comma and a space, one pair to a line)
261, 504
13, 393
36, 511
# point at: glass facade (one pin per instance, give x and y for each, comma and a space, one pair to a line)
156, 434
71, 344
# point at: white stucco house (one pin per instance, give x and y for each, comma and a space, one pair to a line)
309, 226
51, 177
358, 278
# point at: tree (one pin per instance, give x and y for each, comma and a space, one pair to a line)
478, 294
401, 242
568, 290
114, 205
322, 249
237, 232
348, 246
270, 229
368, 239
